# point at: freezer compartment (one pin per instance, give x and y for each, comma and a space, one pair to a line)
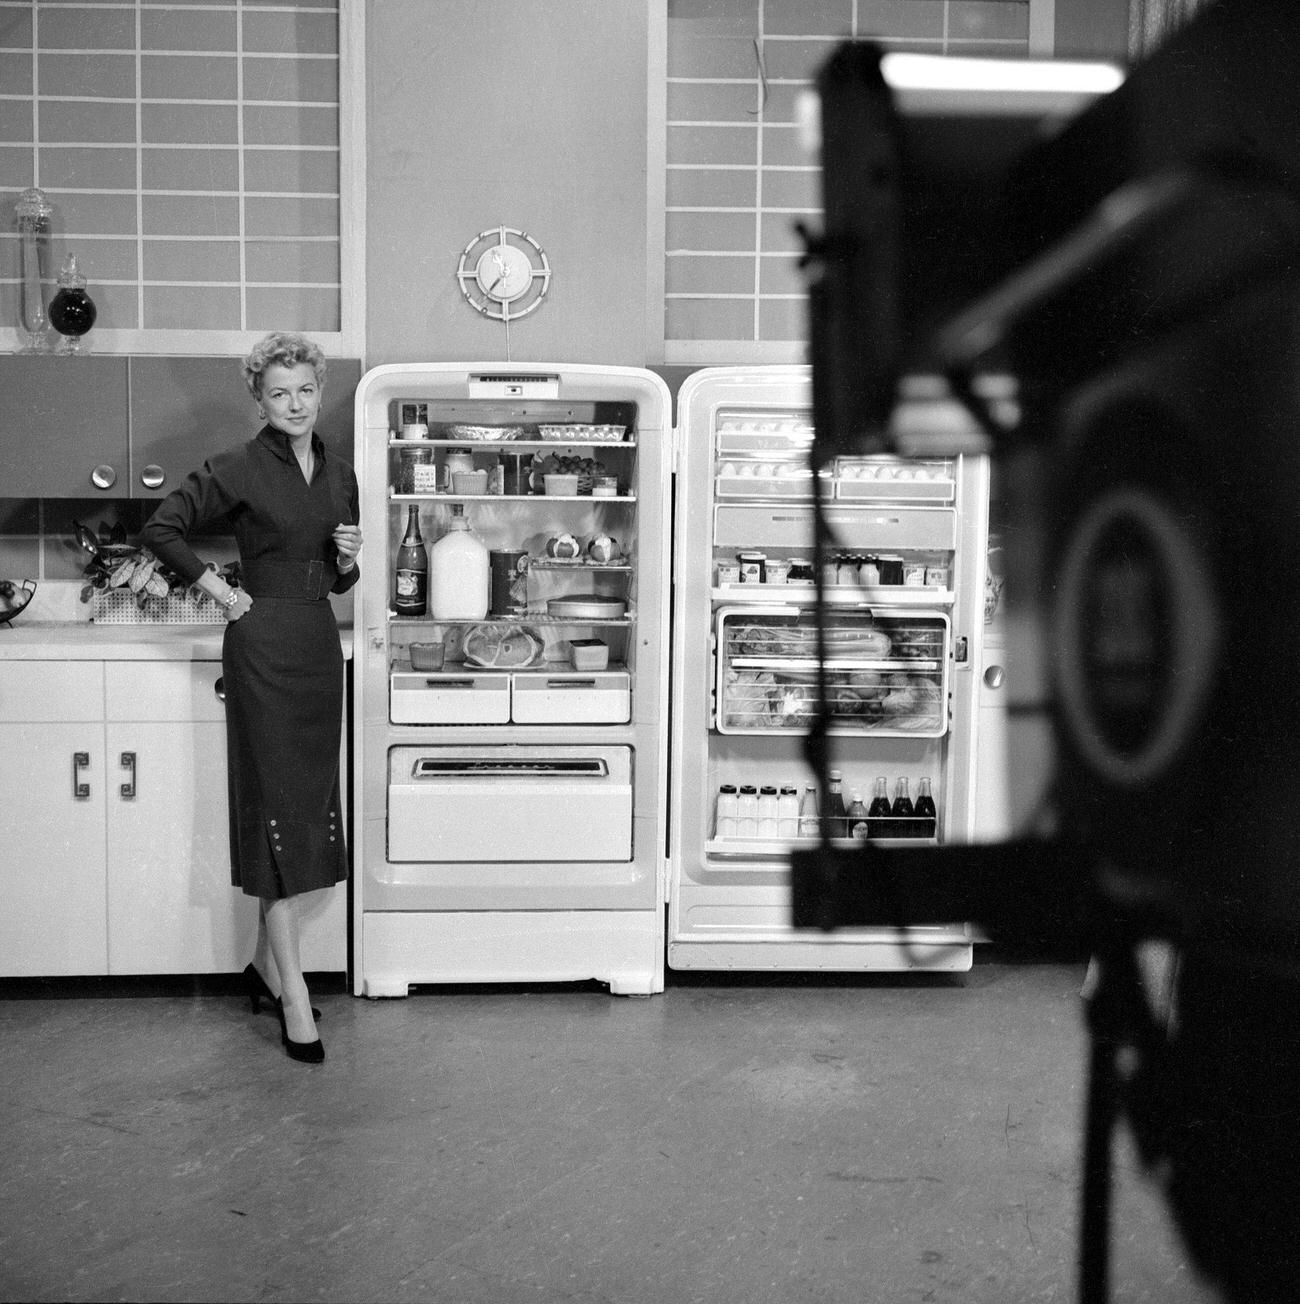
572, 697
886, 673
509, 803
449, 697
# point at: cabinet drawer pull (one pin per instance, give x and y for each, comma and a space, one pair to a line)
128, 764
80, 790
152, 476
103, 476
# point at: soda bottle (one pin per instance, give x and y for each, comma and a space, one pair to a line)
808, 824
836, 815
880, 799
726, 825
857, 817
924, 801
902, 801
411, 591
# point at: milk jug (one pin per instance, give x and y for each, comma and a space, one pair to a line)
458, 572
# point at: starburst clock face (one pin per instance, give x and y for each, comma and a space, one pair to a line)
504, 273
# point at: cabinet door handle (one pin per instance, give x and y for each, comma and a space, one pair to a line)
103, 476
152, 476
80, 790
128, 764
220, 688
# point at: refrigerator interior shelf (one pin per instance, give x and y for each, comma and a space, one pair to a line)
444, 497
512, 445
522, 618
838, 595
806, 667
779, 848
750, 486
576, 564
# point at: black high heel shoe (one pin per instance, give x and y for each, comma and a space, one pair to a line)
305, 1052
258, 992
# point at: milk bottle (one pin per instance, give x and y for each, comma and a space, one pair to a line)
458, 572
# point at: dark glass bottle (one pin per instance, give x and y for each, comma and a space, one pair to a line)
411, 595
836, 814
924, 801
880, 798
72, 311
902, 801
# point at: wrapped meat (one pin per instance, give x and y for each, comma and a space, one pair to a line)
502, 647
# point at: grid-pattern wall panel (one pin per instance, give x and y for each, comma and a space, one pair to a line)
190, 151
737, 179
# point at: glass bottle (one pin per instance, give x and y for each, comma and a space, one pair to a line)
835, 811
459, 572
787, 812
33, 218
411, 590
856, 817
808, 823
726, 822
879, 807
72, 311
902, 801
747, 811
924, 800
767, 811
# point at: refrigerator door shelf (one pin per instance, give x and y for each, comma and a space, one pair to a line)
845, 595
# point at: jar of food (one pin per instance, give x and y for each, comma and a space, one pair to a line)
778, 571
753, 567
728, 572
407, 460
914, 574
801, 572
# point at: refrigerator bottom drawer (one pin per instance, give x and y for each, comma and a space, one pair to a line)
502, 804
449, 699
575, 698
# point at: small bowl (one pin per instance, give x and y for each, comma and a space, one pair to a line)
561, 486
426, 656
469, 482
588, 653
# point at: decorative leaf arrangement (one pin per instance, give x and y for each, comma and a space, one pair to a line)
116, 564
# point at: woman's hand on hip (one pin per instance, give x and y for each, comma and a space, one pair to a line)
241, 606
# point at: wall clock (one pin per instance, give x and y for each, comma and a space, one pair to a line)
504, 273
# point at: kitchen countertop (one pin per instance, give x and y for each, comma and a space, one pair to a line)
84, 641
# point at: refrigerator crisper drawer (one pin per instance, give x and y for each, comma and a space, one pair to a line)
572, 697
449, 698
522, 803
886, 672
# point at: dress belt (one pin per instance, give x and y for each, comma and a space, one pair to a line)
308, 581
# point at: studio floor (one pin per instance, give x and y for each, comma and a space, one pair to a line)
739, 1139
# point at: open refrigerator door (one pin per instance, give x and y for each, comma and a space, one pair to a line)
904, 585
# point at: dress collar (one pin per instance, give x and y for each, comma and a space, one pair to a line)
278, 443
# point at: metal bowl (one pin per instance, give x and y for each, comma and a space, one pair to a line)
14, 597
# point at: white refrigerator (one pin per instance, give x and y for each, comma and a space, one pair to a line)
905, 588
511, 771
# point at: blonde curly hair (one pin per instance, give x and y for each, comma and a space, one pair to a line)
283, 347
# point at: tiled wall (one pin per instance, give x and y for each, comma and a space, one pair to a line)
737, 179
190, 150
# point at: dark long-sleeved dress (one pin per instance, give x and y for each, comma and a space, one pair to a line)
281, 661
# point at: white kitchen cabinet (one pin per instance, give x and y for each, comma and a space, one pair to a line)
133, 875
52, 800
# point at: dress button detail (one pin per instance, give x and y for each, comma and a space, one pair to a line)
273, 824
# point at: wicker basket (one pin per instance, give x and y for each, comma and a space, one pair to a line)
121, 607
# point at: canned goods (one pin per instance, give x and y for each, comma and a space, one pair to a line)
936, 577
778, 572
914, 575
728, 572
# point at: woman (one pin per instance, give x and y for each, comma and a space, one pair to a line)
292, 507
